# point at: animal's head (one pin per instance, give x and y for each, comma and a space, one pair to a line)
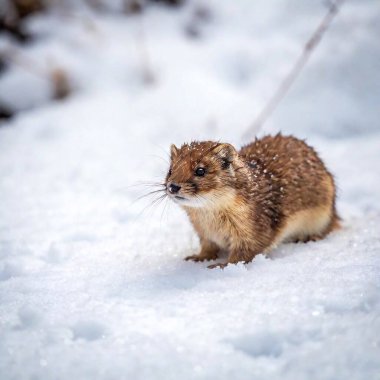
201, 173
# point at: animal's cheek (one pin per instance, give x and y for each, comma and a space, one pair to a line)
209, 185
218, 181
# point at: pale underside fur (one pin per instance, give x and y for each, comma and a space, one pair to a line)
311, 222
223, 220
298, 226
303, 224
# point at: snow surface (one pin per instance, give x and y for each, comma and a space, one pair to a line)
93, 285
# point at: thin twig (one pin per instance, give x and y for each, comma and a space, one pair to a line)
287, 82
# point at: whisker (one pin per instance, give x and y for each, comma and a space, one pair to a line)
163, 150
148, 194
145, 184
155, 202
161, 158
163, 210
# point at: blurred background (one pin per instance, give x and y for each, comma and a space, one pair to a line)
193, 62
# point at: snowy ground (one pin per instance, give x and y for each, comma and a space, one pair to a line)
93, 288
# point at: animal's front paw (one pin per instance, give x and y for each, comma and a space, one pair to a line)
201, 257
196, 258
218, 265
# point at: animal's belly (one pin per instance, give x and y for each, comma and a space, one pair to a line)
221, 241
217, 234
305, 223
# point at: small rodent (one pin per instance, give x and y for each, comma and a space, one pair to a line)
246, 202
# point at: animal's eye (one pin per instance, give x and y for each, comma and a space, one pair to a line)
200, 172
225, 163
170, 172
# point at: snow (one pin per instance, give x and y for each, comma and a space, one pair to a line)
93, 284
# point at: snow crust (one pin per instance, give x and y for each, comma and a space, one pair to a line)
93, 285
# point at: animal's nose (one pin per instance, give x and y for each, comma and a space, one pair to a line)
173, 188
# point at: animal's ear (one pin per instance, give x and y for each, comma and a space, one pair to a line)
225, 151
173, 151
227, 154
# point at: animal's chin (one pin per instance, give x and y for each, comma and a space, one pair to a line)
189, 201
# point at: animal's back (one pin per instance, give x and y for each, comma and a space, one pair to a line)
293, 179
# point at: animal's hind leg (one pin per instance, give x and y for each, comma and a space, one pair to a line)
334, 223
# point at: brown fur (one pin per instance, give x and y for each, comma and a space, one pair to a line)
273, 190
